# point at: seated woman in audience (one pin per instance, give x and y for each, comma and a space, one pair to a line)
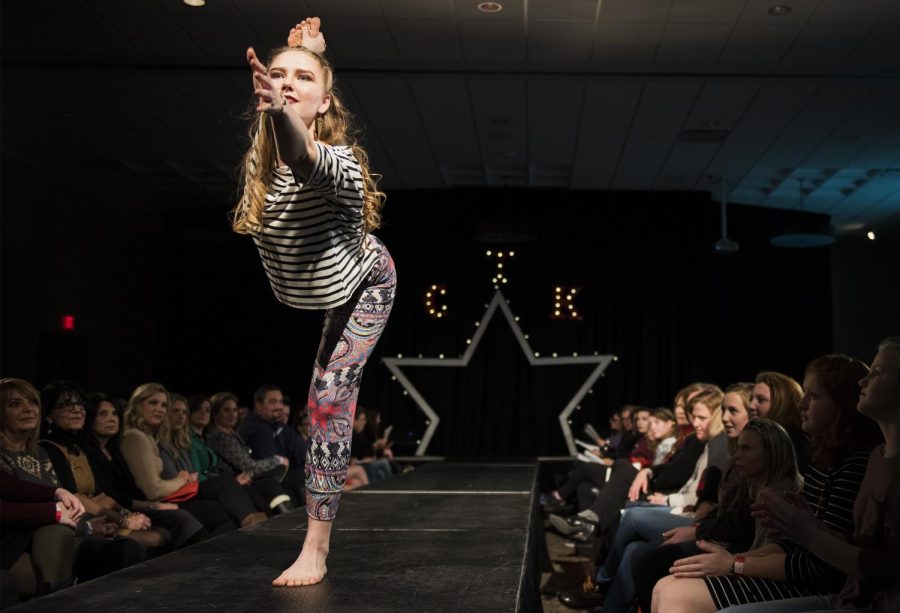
841, 441
37, 521
675, 476
597, 472
38, 538
63, 440
777, 397
223, 439
764, 461
640, 524
100, 551
377, 470
146, 425
200, 415
373, 434
871, 559
101, 443
180, 451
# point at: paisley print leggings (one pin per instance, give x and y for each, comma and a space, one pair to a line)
349, 335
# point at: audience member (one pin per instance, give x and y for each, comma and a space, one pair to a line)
181, 451
784, 569
223, 439
146, 424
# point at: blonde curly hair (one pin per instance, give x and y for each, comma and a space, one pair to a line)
334, 127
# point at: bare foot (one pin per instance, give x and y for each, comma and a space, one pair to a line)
308, 569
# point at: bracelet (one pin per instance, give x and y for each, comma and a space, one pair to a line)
58, 513
123, 519
738, 564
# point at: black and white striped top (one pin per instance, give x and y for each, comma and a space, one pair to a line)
311, 241
831, 495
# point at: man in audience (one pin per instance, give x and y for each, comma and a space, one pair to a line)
264, 431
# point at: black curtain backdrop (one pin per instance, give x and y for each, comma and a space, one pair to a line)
653, 293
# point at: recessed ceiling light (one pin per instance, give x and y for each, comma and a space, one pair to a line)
779, 10
195, 2
871, 235
490, 7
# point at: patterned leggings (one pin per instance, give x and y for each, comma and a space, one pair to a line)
349, 335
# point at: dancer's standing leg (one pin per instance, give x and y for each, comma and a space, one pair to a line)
350, 333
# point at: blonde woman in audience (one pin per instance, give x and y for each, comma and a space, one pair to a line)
146, 424
182, 451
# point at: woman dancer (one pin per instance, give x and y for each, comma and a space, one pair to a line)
310, 203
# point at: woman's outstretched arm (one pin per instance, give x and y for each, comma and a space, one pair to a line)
296, 146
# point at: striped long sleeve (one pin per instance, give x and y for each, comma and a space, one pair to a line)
831, 494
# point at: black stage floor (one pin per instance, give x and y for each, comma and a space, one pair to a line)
446, 537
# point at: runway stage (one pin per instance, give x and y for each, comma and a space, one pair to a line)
447, 537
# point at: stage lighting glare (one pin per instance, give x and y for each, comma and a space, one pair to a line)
488, 253
195, 2
871, 235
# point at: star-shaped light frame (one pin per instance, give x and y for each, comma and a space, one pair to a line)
534, 359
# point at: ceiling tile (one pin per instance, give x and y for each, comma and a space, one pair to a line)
764, 44
555, 10
625, 11
501, 40
693, 42
425, 40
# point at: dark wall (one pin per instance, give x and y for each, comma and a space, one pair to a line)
866, 292
66, 253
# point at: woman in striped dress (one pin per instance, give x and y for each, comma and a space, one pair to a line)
840, 443
310, 204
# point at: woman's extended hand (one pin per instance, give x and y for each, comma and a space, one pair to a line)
244, 478
639, 485
269, 100
788, 514
657, 498
138, 521
308, 34
681, 534
70, 501
715, 563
